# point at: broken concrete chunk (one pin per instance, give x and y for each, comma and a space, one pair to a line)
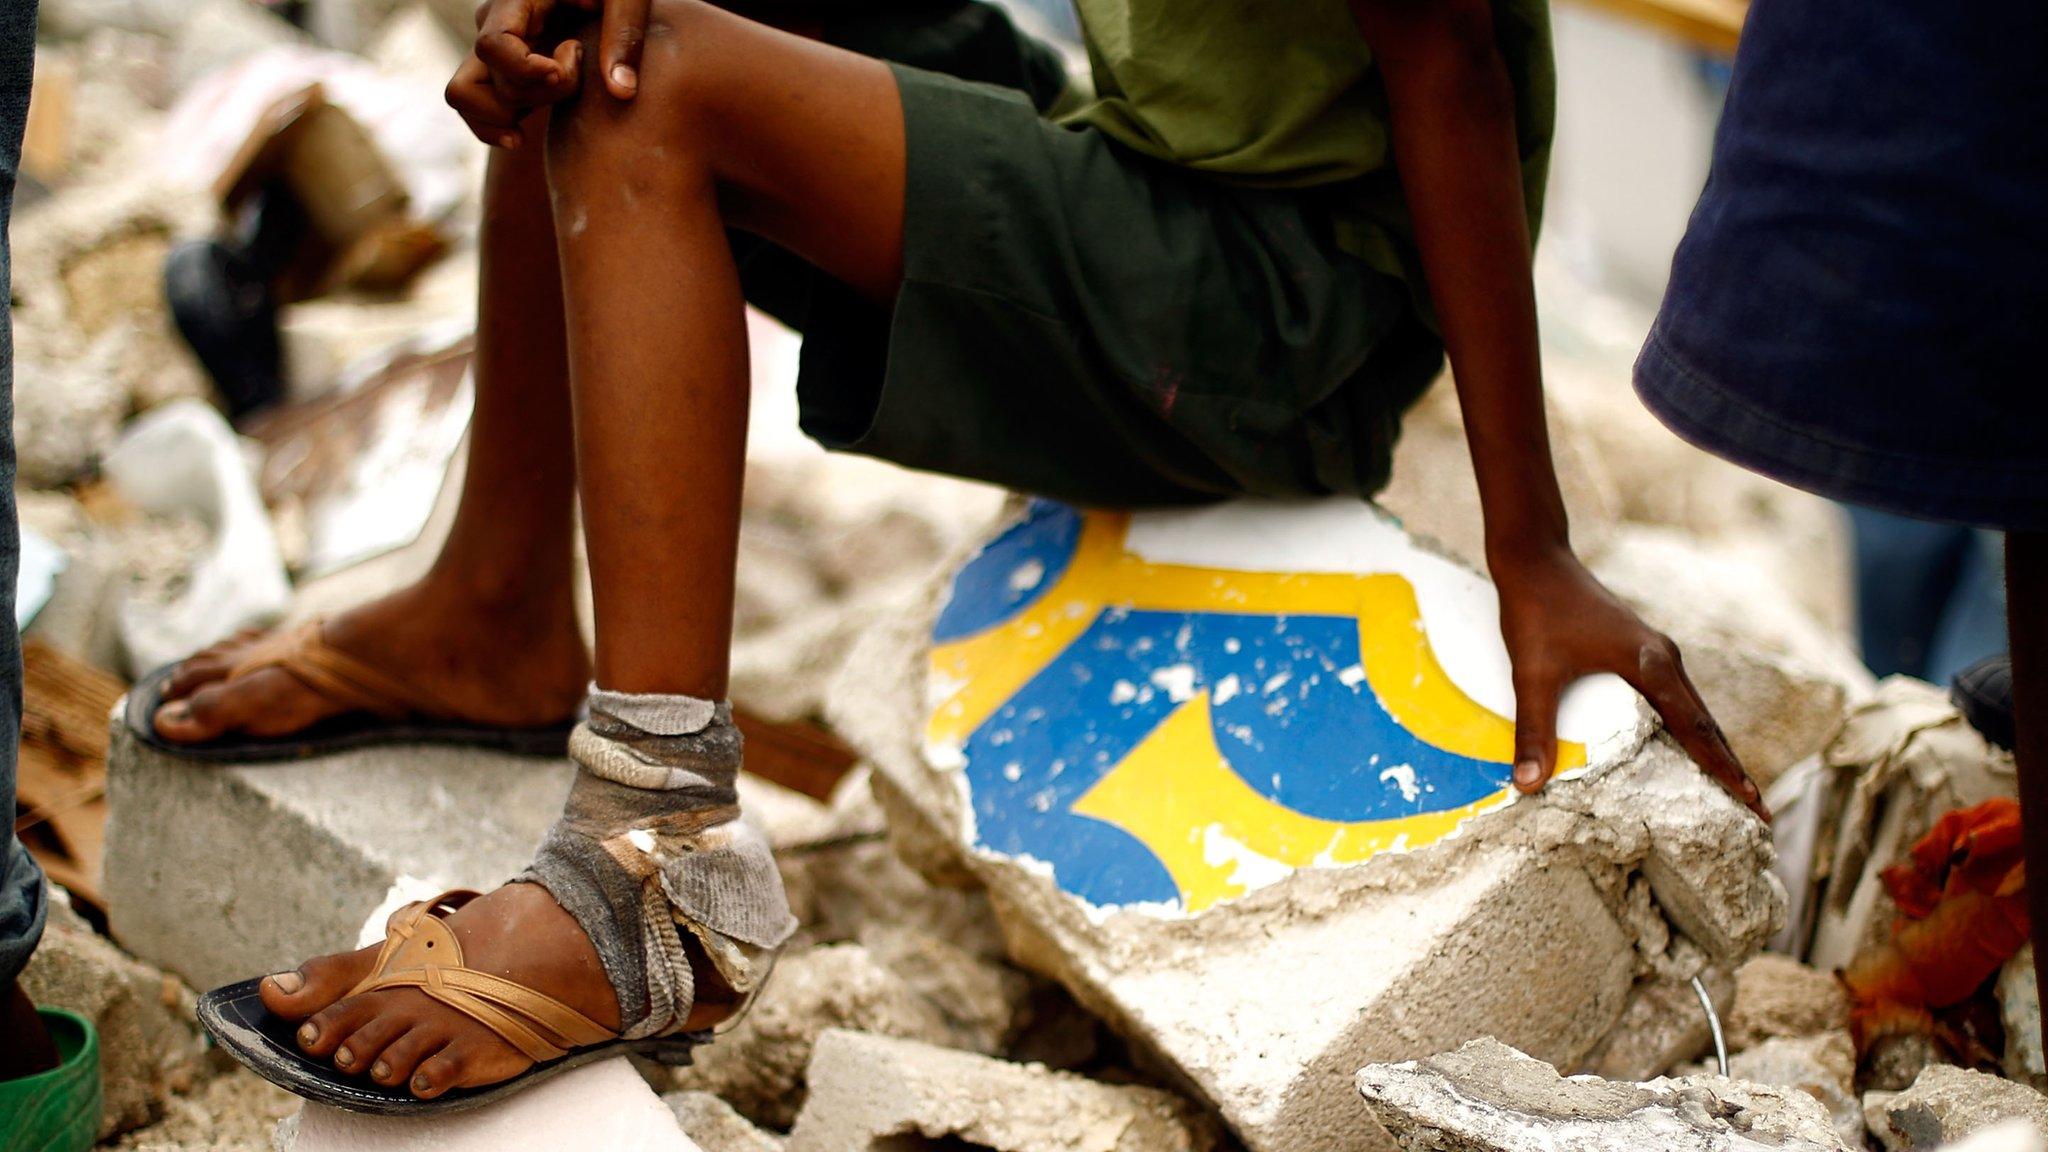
1822, 1066
759, 1065
331, 837
983, 1001
1778, 996
874, 1094
1258, 821
1487, 1097
2013, 1136
715, 1127
1947, 1104
150, 1044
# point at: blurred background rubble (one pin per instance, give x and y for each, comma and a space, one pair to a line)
244, 287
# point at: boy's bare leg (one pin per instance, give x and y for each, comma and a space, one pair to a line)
492, 627
27, 1047
2026, 598
733, 123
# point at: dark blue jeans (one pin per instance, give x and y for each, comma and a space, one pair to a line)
22, 905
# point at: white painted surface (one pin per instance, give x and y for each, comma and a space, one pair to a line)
600, 1106
1459, 607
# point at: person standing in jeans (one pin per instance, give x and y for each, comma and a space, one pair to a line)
25, 1045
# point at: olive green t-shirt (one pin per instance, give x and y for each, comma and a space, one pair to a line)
1283, 94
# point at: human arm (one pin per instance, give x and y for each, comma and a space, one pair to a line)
1452, 112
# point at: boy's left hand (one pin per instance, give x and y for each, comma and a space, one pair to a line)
1560, 624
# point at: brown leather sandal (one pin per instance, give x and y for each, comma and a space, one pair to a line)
421, 951
380, 708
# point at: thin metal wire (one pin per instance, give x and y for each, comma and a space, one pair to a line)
1713, 1024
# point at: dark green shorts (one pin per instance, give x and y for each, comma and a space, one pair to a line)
1086, 323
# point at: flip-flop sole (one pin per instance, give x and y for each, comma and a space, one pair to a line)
264, 1042
335, 734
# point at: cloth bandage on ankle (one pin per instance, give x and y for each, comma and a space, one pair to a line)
651, 846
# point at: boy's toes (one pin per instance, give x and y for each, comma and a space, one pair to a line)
362, 1051
466, 1063
397, 1063
324, 1031
266, 700
316, 984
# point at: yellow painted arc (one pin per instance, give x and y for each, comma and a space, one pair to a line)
1178, 796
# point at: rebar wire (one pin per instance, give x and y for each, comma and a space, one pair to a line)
1713, 1024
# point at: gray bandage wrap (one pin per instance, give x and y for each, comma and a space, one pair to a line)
651, 846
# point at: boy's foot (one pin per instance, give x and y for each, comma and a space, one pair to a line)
513, 668
25, 1044
401, 1036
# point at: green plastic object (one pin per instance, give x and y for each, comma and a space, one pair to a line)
58, 1110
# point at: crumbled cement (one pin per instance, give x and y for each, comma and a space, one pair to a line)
874, 1094
1948, 1103
758, 1066
715, 1127
150, 1044
1519, 927
235, 1111
1776, 995
984, 1003
1487, 1097
1823, 1066
2019, 1002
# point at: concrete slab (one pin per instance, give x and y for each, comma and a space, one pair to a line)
217, 873
1237, 778
874, 1094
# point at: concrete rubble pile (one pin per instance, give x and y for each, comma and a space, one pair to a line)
943, 994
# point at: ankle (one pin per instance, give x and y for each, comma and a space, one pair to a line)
526, 604
25, 1044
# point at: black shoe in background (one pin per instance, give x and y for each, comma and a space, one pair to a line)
224, 308
1983, 692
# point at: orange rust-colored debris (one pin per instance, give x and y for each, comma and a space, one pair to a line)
1962, 898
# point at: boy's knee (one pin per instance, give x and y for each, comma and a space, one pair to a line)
677, 79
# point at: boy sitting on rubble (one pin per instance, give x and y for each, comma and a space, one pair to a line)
1229, 273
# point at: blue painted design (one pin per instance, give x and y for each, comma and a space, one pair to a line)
1283, 715
990, 589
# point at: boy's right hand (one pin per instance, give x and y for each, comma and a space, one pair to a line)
523, 61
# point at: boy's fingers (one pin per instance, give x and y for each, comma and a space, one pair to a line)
505, 39
625, 31
1535, 731
489, 117
1662, 680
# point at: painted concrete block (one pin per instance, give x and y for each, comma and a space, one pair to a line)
875, 1094
218, 872
603, 1105
1238, 778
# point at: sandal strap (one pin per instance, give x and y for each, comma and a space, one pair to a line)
303, 653
421, 951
